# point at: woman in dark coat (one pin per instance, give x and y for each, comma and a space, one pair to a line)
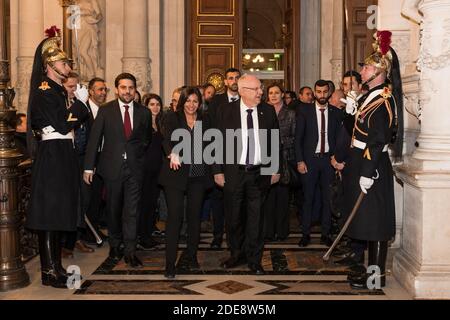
180, 178
150, 189
55, 173
276, 206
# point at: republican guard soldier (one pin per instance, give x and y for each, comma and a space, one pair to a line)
370, 168
55, 172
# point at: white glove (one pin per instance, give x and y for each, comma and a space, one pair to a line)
82, 93
365, 184
351, 102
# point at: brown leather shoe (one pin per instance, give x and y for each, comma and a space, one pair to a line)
82, 247
66, 253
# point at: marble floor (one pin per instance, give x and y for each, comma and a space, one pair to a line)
292, 274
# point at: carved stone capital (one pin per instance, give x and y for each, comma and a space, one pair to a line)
141, 69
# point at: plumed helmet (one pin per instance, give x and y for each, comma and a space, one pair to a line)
51, 47
381, 57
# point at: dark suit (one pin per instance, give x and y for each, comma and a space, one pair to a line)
219, 101
123, 177
319, 167
191, 180
91, 196
81, 134
244, 188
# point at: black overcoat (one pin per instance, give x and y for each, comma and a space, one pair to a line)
55, 173
375, 219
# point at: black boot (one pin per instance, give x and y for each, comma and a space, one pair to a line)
49, 274
56, 250
377, 257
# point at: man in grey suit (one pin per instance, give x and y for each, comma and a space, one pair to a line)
124, 127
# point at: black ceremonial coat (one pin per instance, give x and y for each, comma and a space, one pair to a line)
55, 172
375, 219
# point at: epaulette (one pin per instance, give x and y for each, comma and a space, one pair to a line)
387, 93
44, 86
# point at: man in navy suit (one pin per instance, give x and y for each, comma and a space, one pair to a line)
315, 141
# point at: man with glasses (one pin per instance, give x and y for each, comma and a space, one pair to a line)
231, 95
242, 180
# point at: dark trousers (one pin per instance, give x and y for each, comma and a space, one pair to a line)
149, 200
217, 213
95, 211
358, 247
245, 227
70, 238
195, 192
276, 212
122, 200
319, 173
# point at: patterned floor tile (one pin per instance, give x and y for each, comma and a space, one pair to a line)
316, 288
136, 287
230, 287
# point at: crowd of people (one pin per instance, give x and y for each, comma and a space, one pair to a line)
117, 164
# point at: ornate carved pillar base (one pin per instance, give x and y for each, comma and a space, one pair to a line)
12, 271
423, 263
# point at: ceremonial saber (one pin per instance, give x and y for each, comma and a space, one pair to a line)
98, 239
327, 255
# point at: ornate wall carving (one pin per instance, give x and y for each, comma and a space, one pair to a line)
25, 65
89, 40
428, 58
141, 69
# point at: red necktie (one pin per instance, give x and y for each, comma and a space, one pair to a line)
127, 123
322, 132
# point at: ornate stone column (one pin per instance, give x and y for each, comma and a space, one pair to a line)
338, 42
174, 39
12, 271
310, 42
31, 32
423, 263
135, 47
67, 33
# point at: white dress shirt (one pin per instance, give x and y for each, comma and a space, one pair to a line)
130, 111
94, 108
319, 125
230, 97
257, 157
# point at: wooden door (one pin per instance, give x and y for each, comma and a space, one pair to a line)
358, 37
214, 40
291, 31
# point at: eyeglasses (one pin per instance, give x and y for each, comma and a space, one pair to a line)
255, 89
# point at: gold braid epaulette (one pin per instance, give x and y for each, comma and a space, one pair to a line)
370, 108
